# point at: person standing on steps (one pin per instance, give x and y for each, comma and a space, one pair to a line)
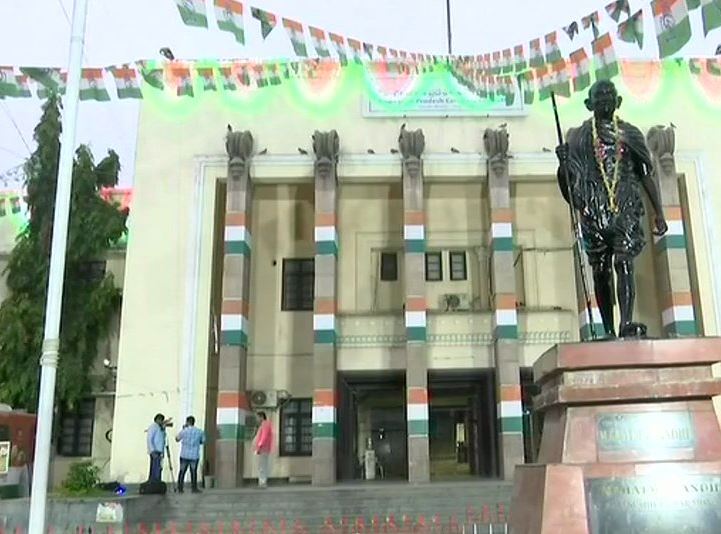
263, 446
190, 438
156, 446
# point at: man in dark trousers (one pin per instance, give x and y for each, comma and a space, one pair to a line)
156, 446
190, 438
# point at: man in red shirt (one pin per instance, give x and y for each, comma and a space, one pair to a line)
263, 446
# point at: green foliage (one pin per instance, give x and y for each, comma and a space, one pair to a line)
83, 478
88, 304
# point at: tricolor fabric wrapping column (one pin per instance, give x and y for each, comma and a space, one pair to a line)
503, 291
584, 321
325, 146
232, 405
671, 259
412, 144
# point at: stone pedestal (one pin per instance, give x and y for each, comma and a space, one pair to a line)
631, 440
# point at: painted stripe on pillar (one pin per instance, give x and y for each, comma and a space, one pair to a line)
326, 239
237, 235
414, 234
676, 236
505, 317
230, 415
234, 323
679, 318
502, 230
417, 412
324, 324
415, 319
324, 414
510, 409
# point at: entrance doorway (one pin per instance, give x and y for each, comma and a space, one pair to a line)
462, 429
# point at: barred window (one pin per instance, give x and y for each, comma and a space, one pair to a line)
434, 266
457, 259
76, 430
389, 266
298, 280
296, 428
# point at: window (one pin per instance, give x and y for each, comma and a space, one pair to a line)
457, 259
298, 279
296, 428
76, 430
389, 266
434, 267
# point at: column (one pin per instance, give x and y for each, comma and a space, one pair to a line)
325, 146
509, 410
673, 279
412, 144
232, 402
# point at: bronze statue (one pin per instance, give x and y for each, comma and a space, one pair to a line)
605, 163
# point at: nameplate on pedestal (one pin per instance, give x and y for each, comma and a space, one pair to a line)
645, 431
668, 504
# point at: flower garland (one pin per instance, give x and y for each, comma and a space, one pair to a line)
611, 184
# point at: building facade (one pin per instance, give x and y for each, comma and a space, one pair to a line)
375, 281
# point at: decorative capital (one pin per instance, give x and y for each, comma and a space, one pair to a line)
411, 145
239, 147
326, 146
661, 141
495, 143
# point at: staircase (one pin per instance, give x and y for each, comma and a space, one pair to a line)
343, 509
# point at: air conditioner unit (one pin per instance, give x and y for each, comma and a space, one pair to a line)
451, 302
264, 399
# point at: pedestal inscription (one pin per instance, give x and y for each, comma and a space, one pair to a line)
655, 505
650, 431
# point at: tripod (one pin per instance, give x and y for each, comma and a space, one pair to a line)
170, 466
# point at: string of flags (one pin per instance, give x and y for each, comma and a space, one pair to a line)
12, 202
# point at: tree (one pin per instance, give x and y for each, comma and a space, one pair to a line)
89, 301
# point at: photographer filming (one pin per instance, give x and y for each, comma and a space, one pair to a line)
156, 445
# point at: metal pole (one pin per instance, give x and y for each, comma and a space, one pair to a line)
51, 340
448, 26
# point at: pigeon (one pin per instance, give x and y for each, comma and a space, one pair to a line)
230, 128
455, 150
673, 125
263, 152
503, 126
167, 53
547, 149
371, 151
301, 151
394, 151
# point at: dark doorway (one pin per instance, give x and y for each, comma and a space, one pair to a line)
372, 413
462, 426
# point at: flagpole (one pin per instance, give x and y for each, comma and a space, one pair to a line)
448, 27
53, 307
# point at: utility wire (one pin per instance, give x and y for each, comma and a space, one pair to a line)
17, 129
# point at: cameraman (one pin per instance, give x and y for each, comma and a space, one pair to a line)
156, 445
190, 438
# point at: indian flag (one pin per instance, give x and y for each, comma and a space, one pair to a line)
535, 54
519, 58
631, 29
711, 15
273, 71
591, 21
544, 80
8, 83
553, 53
368, 49
259, 71
319, 41
228, 78
229, 15
694, 66
340, 48
92, 86
526, 80
183, 81
152, 73
560, 76
267, 20
23, 89
51, 80
496, 63
126, 81
581, 66
509, 90
618, 8
507, 61
193, 12
673, 28
295, 32
242, 74
713, 65
604, 58
207, 75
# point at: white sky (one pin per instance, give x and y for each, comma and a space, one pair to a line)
36, 33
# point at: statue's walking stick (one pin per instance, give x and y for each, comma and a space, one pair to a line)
576, 224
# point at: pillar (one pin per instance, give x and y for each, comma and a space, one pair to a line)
509, 411
673, 279
232, 401
412, 144
325, 145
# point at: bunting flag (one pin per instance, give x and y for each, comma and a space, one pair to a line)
340, 48
604, 58
618, 8
553, 53
8, 83
711, 15
319, 41
193, 12
3, 211
207, 76
92, 86
631, 29
544, 82
527, 83
368, 49
496, 63
591, 21
229, 15
507, 61
227, 78
297, 39
267, 20
561, 85
694, 66
126, 81
243, 74
673, 28
152, 73
713, 65
259, 74
23, 88
356, 48
581, 66
183, 81
50, 80
508, 89
273, 71
535, 54
571, 30
519, 58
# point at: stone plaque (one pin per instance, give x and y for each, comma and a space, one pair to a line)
645, 431
669, 504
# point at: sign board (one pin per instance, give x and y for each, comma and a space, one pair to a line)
645, 431
109, 512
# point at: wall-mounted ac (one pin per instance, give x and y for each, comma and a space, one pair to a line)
264, 399
451, 302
